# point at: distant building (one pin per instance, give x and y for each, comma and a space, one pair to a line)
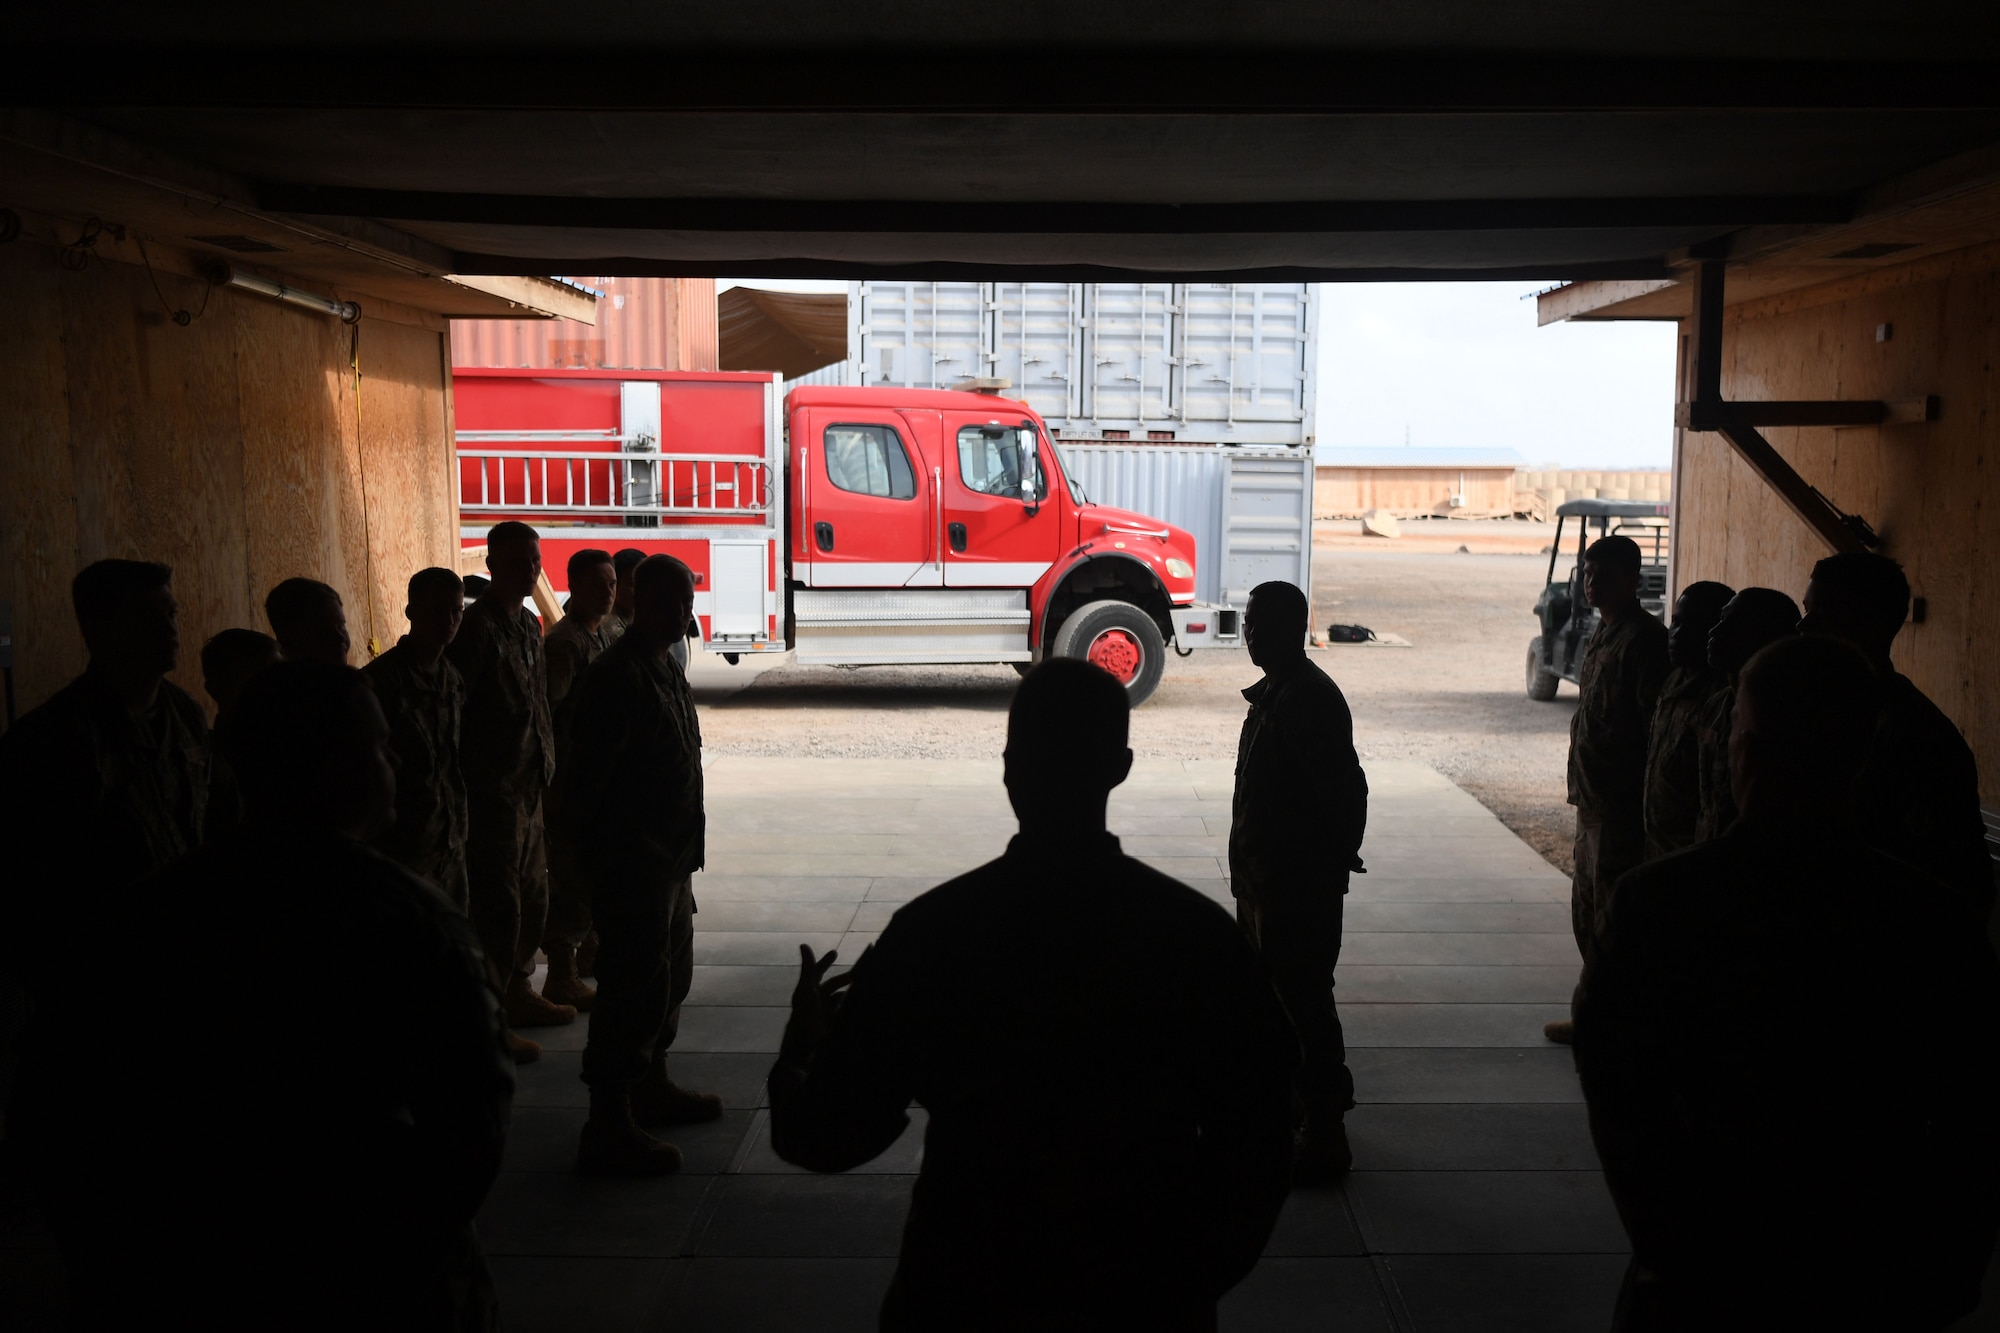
1408, 482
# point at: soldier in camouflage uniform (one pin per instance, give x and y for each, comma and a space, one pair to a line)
632, 788
108, 781
423, 697
575, 642
1673, 773
1754, 618
287, 1194
508, 755
1624, 667
1920, 788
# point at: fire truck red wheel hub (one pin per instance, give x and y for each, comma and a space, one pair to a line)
1117, 652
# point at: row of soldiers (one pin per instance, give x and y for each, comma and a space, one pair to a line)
433, 793
1649, 742
1788, 1022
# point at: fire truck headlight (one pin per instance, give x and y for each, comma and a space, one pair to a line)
1179, 568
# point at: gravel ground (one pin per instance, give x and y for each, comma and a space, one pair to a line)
1454, 699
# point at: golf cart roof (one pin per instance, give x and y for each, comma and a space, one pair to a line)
1612, 509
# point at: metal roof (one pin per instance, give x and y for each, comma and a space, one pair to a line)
1613, 509
1338, 456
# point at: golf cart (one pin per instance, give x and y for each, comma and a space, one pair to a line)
1557, 653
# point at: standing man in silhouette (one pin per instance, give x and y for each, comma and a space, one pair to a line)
577, 640
1673, 754
309, 621
1752, 620
423, 696
508, 757
1296, 823
1624, 667
107, 781
278, 1193
632, 790
1920, 790
1154, 1191
1723, 1043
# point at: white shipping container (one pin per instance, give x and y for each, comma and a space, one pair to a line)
1250, 510
1185, 363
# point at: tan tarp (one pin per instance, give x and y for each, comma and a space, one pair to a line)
790, 332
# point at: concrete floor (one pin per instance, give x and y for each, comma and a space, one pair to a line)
1475, 1203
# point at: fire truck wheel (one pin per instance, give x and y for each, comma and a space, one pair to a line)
1122, 639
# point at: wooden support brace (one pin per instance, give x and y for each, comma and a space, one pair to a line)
1737, 423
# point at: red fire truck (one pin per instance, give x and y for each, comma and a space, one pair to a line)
853, 526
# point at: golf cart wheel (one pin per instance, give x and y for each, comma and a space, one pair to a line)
1120, 638
1542, 682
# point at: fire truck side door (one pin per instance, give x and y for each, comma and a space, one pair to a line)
1000, 529
868, 519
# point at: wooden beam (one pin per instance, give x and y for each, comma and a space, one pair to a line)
1860, 412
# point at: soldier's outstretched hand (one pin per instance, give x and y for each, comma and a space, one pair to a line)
814, 1000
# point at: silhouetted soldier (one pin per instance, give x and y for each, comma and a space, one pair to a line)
228, 661
1920, 789
1154, 1191
423, 697
275, 1193
576, 641
1752, 620
633, 792
623, 562
1296, 823
107, 781
508, 756
1673, 753
309, 621
1730, 1052
1624, 667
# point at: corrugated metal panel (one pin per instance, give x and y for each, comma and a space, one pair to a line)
1219, 363
834, 376
1249, 510
642, 324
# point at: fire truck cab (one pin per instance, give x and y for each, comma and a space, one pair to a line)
852, 526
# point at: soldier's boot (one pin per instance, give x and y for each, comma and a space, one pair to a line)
658, 1100
614, 1145
1561, 1030
586, 955
525, 1009
1319, 1151
562, 986
525, 1052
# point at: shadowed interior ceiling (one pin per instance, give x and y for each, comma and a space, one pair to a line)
1343, 140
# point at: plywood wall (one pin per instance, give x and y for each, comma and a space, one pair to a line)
234, 449
1932, 490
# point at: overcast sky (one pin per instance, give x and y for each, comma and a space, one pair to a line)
1463, 364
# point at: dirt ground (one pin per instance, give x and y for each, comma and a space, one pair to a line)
1453, 699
